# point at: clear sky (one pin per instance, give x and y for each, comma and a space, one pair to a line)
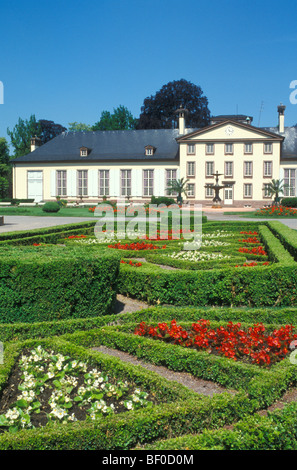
69, 60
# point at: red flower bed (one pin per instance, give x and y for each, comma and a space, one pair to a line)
252, 345
249, 233
250, 240
275, 211
253, 263
259, 250
131, 263
136, 246
76, 236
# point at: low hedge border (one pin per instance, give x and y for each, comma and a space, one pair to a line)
276, 431
189, 413
272, 317
286, 235
275, 249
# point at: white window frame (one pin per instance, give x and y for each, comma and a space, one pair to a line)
209, 149
290, 181
126, 182
267, 147
229, 148
267, 169
228, 165
191, 169
103, 182
61, 182
148, 182
82, 183
191, 149
191, 190
170, 175
248, 190
209, 174
248, 169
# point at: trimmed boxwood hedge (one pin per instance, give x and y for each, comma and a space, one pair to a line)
46, 283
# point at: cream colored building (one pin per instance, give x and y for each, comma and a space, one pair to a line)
87, 166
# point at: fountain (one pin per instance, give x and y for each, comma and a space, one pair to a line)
217, 202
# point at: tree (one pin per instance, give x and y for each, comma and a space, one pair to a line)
78, 127
5, 169
25, 129
178, 187
275, 188
158, 111
120, 119
21, 134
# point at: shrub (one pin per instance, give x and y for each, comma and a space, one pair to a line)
162, 200
289, 201
51, 206
46, 283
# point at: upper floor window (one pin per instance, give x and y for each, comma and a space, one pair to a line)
149, 150
248, 148
229, 148
248, 169
228, 169
209, 169
209, 149
268, 147
84, 151
267, 171
190, 168
191, 149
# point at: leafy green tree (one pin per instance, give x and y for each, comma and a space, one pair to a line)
5, 169
158, 111
21, 134
120, 119
178, 188
78, 127
25, 129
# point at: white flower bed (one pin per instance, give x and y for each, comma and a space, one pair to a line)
197, 256
69, 386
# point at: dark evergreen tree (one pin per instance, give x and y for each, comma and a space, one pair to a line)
159, 111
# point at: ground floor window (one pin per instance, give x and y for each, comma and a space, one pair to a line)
170, 176
191, 190
61, 178
290, 182
103, 183
148, 182
126, 182
82, 182
247, 190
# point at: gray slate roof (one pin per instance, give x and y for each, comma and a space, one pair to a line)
289, 146
107, 146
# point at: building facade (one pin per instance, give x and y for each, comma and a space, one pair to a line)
137, 164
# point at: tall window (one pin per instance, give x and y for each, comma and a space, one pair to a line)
248, 169
170, 176
190, 168
290, 182
267, 171
148, 182
247, 190
228, 169
103, 182
82, 182
125, 182
209, 169
61, 179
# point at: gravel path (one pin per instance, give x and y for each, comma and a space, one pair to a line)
201, 386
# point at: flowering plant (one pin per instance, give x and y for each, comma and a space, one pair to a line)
131, 263
253, 344
136, 246
54, 387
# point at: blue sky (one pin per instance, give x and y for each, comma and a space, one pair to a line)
69, 60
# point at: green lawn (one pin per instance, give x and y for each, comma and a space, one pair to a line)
38, 212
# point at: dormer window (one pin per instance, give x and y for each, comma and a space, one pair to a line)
84, 151
149, 150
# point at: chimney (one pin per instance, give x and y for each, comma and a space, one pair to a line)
181, 119
281, 118
35, 143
